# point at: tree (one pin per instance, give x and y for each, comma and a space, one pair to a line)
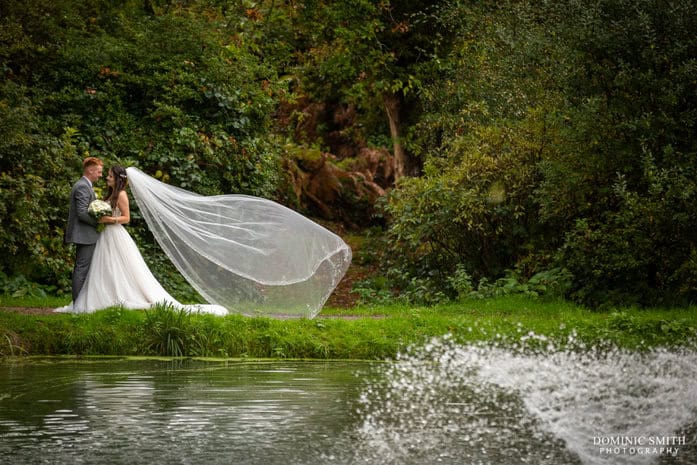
370, 54
623, 191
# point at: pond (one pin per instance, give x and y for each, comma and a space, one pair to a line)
179, 411
440, 403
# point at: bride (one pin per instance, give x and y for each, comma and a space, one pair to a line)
242, 254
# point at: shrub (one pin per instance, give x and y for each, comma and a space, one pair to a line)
475, 212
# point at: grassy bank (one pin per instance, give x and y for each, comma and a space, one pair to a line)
358, 333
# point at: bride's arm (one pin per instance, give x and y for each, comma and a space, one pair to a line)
124, 207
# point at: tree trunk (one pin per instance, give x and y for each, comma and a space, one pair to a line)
402, 161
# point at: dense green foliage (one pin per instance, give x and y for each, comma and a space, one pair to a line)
372, 333
177, 94
562, 136
553, 141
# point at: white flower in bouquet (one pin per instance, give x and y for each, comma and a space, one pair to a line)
99, 208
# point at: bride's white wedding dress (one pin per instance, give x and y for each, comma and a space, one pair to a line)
242, 254
119, 276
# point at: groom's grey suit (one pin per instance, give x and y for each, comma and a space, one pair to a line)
81, 231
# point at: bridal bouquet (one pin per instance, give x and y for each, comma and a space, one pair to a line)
99, 208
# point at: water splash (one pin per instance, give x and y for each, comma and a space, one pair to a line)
533, 402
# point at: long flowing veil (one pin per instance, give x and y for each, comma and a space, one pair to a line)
250, 255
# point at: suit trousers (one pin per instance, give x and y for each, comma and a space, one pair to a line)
83, 259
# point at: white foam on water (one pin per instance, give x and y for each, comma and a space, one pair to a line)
493, 404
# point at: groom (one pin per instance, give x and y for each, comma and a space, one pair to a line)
82, 228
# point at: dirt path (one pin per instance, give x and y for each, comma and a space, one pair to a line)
28, 310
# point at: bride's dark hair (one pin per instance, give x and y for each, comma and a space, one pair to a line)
120, 183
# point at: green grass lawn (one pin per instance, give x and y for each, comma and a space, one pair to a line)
371, 332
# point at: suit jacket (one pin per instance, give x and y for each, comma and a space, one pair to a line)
82, 227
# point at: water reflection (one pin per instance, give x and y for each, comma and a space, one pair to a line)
164, 412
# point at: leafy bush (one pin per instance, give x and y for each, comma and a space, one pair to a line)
20, 286
472, 209
373, 291
35, 174
552, 283
643, 252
